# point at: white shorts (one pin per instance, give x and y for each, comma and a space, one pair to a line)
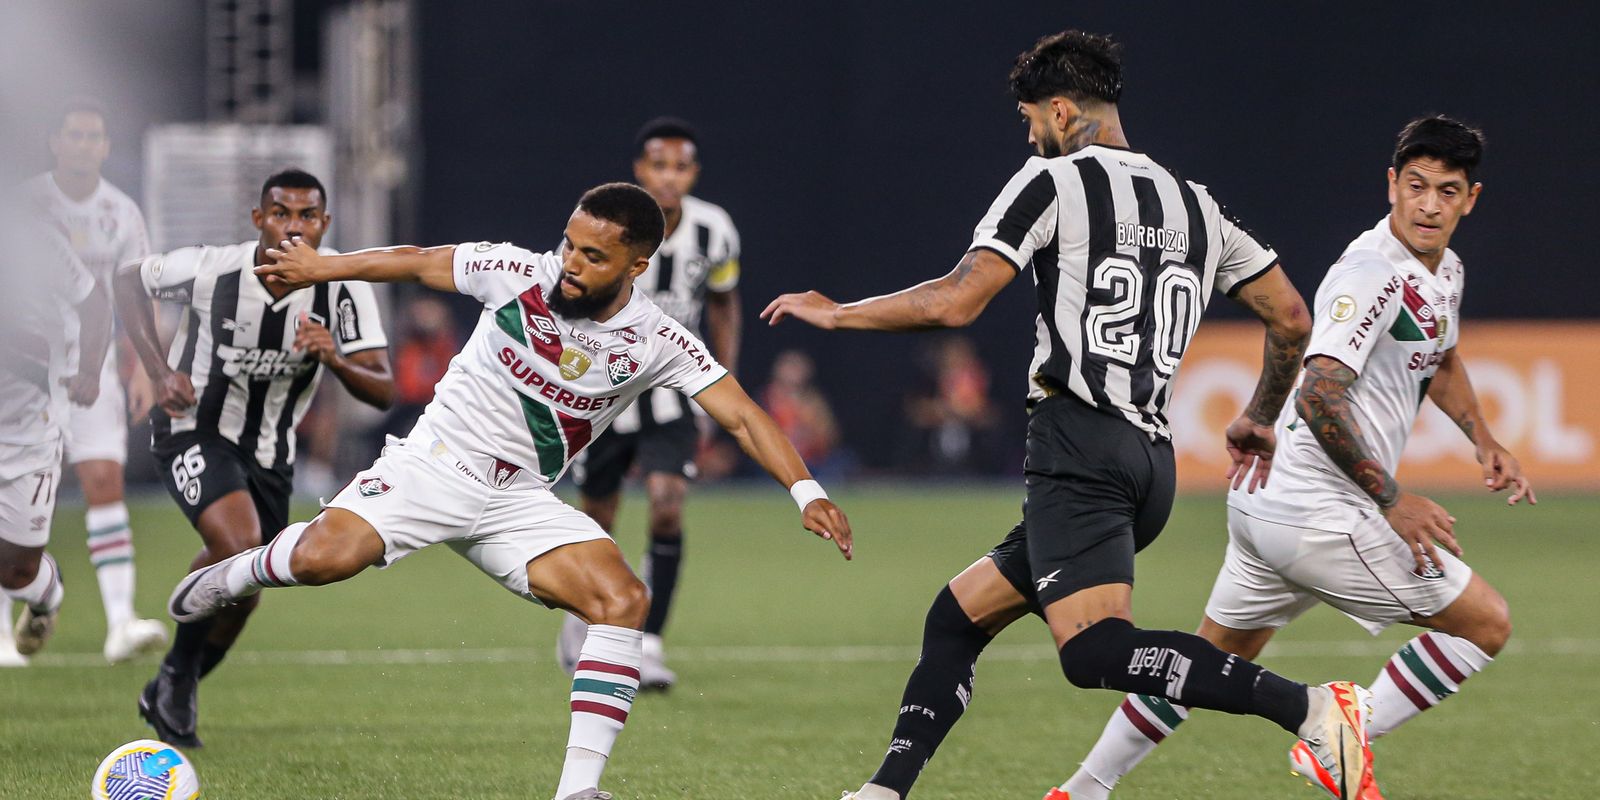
100, 432
418, 493
28, 501
1274, 572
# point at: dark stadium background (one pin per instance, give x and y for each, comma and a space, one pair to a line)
856, 143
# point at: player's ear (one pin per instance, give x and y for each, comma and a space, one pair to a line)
256, 217
1062, 112
640, 264
1472, 198
1391, 186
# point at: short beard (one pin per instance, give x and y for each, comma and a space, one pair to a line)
584, 306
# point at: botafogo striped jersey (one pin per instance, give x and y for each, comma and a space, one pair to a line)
532, 388
236, 343
1125, 254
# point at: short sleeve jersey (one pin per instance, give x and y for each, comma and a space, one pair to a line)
236, 344
1383, 314
105, 229
533, 388
1125, 255
701, 255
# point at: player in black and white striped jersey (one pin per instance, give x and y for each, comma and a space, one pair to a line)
693, 275
230, 391
1125, 255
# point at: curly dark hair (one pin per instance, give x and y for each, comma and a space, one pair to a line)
630, 207
1457, 144
1077, 65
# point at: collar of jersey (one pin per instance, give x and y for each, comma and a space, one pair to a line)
1396, 249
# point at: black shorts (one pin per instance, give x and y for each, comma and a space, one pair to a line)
657, 447
198, 469
1099, 490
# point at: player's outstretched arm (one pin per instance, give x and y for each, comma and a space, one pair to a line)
952, 301
173, 390
761, 438
1451, 390
1251, 440
94, 339
296, 264
1324, 405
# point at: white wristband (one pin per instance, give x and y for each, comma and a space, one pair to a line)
805, 491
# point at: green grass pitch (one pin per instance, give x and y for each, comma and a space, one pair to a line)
429, 681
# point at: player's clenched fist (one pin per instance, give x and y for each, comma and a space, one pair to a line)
316, 340
82, 389
824, 519
812, 308
175, 393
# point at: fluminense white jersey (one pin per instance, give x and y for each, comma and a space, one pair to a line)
1383, 314
43, 280
532, 389
701, 255
106, 229
236, 343
1125, 255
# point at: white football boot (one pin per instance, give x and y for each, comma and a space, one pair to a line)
588, 794
9, 657
653, 672
133, 638
1335, 731
204, 592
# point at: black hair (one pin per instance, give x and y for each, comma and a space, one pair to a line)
80, 104
294, 178
1457, 144
1077, 65
633, 208
664, 128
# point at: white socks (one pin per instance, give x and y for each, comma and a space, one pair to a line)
1132, 733
44, 594
603, 689
111, 553
1421, 675
266, 567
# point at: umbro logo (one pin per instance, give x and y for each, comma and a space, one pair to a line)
1048, 579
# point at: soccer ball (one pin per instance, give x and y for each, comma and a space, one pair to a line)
145, 770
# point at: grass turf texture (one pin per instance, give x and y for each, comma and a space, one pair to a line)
791, 663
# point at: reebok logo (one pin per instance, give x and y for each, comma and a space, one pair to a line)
1047, 580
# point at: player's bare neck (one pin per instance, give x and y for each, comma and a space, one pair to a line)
673, 217
1098, 126
77, 186
1430, 260
616, 305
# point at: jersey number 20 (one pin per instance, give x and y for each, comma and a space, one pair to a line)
1112, 330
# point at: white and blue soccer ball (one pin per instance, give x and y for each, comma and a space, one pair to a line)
145, 770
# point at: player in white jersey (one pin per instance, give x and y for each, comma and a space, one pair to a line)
105, 229
46, 287
1333, 525
233, 386
696, 267
564, 344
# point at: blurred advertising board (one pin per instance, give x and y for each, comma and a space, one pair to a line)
1538, 383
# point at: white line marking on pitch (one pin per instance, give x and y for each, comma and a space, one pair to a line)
783, 654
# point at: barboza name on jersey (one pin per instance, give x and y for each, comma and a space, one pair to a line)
1133, 234
559, 395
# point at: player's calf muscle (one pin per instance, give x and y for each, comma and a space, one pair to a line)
335, 546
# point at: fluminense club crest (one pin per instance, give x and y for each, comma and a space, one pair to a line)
620, 367
373, 486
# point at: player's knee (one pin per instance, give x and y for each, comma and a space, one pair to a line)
1492, 635
624, 605
1088, 658
666, 523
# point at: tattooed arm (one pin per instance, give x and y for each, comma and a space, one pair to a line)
952, 301
1451, 390
1324, 405
1250, 438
